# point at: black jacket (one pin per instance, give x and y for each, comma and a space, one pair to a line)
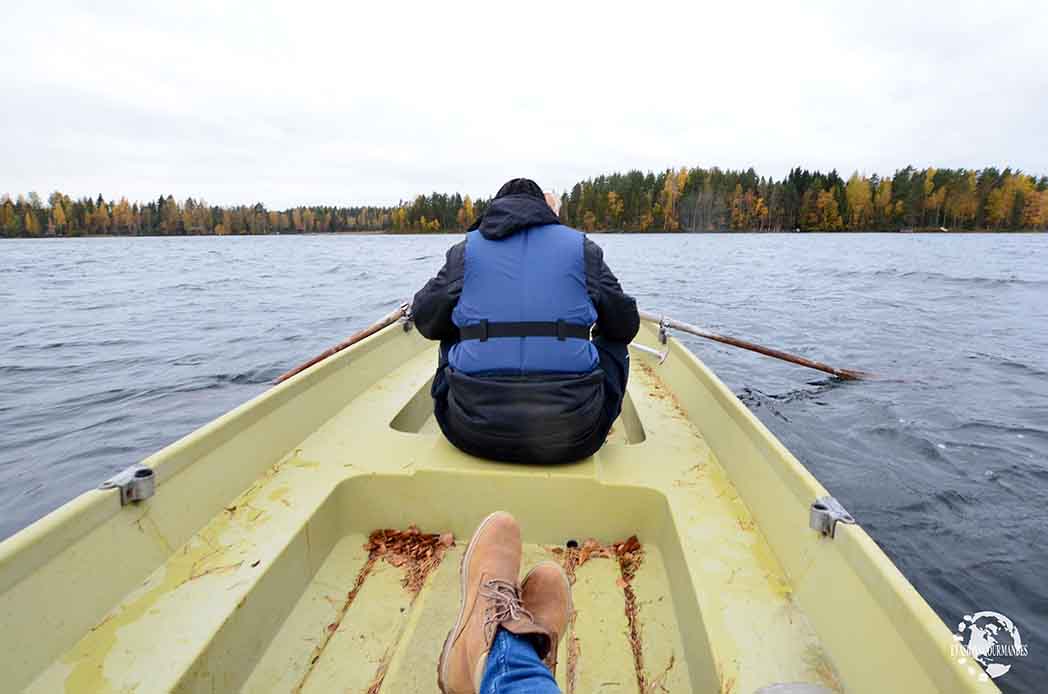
536, 418
617, 318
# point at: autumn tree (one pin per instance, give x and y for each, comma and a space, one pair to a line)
589, 221
809, 211
122, 220
927, 201
615, 208
666, 206
31, 226
1000, 203
58, 218
9, 222
883, 204
469, 214
827, 213
760, 213
738, 214
860, 202
100, 220
962, 199
1035, 210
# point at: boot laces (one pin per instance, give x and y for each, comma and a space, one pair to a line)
504, 603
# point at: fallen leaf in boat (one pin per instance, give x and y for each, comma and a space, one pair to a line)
415, 552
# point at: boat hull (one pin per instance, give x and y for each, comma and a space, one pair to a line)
255, 566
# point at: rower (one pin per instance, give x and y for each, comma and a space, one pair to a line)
519, 378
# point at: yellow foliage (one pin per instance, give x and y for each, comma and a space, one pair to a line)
883, 200
828, 215
738, 211
616, 205
100, 219
1000, 204
1035, 209
860, 203
668, 202
760, 212
589, 221
59, 216
470, 213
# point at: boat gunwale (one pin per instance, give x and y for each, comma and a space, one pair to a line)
33, 546
915, 622
922, 629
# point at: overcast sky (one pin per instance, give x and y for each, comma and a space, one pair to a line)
373, 102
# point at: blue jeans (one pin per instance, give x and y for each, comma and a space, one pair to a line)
514, 667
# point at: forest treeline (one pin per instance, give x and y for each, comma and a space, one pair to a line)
715, 199
696, 199
62, 215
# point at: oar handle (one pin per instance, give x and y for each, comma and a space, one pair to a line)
843, 374
389, 319
651, 350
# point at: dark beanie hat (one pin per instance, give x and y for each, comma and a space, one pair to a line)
521, 186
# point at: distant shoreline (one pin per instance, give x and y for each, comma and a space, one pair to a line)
752, 232
911, 200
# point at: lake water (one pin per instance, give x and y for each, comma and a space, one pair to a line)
112, 348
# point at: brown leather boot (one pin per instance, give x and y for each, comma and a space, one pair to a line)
546, 594
490, 599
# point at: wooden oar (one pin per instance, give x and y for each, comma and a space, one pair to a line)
401, 311
356, 337
843, 374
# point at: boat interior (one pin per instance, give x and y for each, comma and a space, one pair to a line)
309, 541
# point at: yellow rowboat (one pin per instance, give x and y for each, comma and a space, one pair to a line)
308, 541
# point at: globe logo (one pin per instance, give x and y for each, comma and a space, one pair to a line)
992, 640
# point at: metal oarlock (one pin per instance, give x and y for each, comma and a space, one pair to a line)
406, 320
825, 513
135, 483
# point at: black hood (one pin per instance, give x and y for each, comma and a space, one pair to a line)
509, 214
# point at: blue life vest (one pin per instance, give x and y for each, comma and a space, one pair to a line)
535, 275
